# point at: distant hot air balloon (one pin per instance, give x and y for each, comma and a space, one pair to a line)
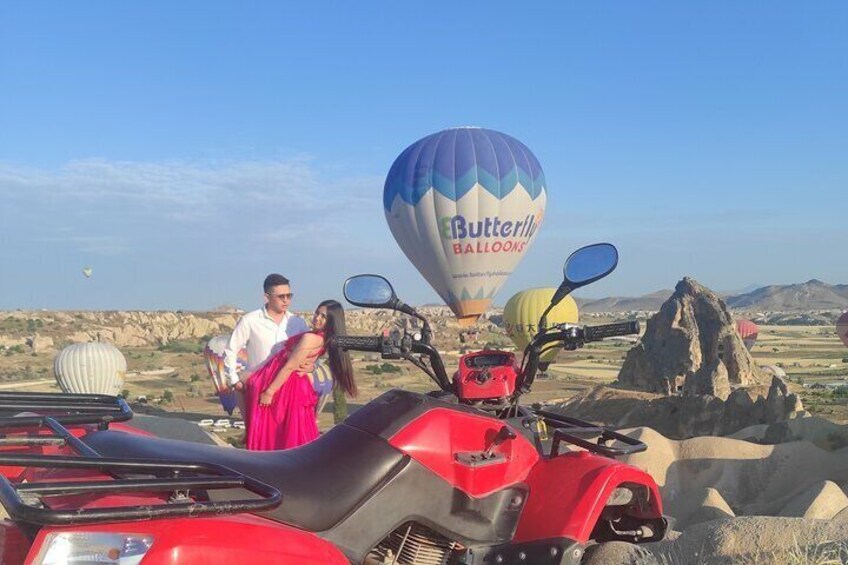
842, 328
748, 331
521, 316
213, 353
87, 272
90, 368
464, 205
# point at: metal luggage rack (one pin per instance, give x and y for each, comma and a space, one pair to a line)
576, 432
23, 501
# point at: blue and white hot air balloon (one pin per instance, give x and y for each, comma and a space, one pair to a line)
464, 205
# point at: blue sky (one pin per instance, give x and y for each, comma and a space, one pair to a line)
184, 150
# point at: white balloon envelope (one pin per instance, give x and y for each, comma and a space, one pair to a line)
90, 368
464, 205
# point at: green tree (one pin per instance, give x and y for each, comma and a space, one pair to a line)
167, 396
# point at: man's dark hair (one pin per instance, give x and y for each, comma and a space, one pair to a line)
272, 280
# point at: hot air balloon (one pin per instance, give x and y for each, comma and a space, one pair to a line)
90, 368
748, 331
522, 312
213, 353
87, 272
464, 205
842, 328
322, 383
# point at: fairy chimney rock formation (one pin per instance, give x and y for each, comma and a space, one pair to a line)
690, 346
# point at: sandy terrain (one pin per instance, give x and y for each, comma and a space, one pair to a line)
737, 502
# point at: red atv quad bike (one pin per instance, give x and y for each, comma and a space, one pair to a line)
462, 476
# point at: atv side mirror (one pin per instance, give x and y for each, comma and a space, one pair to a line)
590, 263
370, 291
584, 266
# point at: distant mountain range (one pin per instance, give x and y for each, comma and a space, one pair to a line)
811, 295
650, 302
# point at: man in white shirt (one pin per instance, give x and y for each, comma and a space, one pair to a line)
263, 332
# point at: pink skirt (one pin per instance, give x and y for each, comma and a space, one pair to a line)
290, 419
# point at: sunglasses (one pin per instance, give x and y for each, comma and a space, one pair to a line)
284, 296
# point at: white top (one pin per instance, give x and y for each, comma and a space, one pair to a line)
262, 336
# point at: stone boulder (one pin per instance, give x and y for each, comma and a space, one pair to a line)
690, 346
40, 343
685, 416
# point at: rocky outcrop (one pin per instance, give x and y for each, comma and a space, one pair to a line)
137, 329
820, 432
763, 540
685, 416
124, 329
40, 343
690, 346
146, 329
822, 501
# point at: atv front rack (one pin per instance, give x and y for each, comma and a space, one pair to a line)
64, 408
575, 431
186, 483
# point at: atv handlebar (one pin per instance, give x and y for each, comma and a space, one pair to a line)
597, 333
390, 347
571, 337
397, 347
359, 342
440, 375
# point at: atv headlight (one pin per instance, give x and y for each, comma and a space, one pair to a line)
93, 548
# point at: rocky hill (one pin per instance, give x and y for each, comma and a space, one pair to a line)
803, 297
811, 295
648, 303
52, 330
124, 329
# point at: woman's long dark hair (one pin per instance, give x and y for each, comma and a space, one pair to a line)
339, 360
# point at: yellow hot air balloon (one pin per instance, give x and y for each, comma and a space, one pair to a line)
522, 313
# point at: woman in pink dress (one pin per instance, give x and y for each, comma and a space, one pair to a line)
280, 397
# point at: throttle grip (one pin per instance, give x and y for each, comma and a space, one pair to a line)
596, 333
359, 342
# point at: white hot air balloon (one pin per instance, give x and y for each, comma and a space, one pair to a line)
90, 368
464, 205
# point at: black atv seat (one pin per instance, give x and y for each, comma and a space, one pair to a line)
321, 481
